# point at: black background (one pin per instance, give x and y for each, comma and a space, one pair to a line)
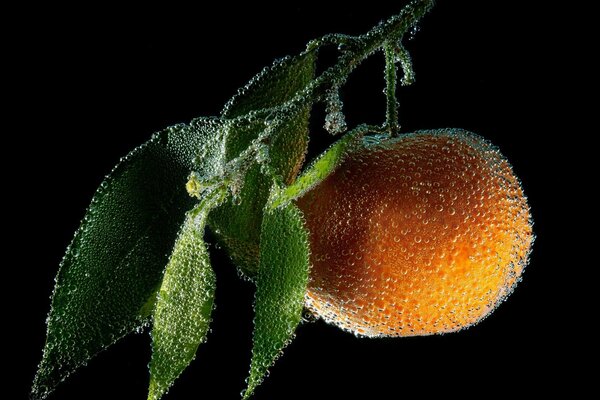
94, 84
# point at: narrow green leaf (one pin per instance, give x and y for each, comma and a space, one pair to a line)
280, 288
321, 167
236, 224
115, 262
184, 303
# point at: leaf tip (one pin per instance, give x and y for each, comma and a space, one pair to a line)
249, 391
45, 379
38, 392
155, 391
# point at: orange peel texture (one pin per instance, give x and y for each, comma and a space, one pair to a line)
421, 234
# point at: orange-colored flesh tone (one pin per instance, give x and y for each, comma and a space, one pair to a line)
417, 235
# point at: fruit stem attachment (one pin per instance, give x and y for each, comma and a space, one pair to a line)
391, 114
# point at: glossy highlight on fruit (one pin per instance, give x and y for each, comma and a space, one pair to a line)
421, 234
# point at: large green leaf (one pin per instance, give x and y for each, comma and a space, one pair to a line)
115, 262
237, 223
184, 303
280, 288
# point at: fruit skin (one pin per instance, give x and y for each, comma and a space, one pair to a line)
421, 234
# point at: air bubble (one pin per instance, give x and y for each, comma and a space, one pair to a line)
335, 121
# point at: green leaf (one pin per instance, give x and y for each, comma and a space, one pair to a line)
322, 166
116, 260
280, 288
236, 224
184, 303
272, 86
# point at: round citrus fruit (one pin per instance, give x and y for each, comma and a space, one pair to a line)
421, 234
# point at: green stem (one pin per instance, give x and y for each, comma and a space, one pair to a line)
208, 201
403, 57
391, 114
363, 46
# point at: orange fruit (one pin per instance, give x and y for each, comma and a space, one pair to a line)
421, 234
